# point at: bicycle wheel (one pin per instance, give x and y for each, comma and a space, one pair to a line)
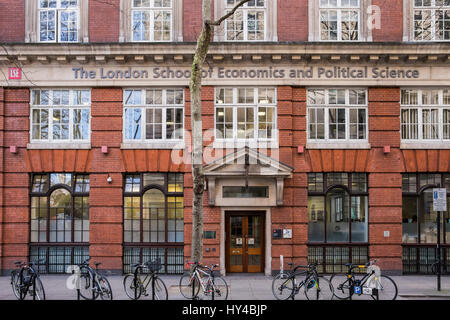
104, 289
319, 288
15, 284
220, 289
160, 289
387, 289
283, 286
189, 288
86, 288
341, 286
38, 289
133, 287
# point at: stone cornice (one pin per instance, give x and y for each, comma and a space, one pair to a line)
274, 52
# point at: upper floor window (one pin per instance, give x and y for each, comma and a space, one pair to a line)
340, 20
152, 20
153, 115
248, 23
425, 115
61, 115
431, 20
59, 20
256, 20
337, 115
245, 114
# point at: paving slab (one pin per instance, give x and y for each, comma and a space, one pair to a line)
241, 287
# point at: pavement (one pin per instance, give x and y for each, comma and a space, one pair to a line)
241, 287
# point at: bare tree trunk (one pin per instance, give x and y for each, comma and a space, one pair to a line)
195, 86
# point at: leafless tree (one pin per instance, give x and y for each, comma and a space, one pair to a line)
195, 86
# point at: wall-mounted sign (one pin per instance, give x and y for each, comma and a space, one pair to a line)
209, 234
239, 241
287, 233
251, 241
274, 73
277, 234
439, 200
14, 74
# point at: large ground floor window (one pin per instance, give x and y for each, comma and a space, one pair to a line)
172, 258
56, 259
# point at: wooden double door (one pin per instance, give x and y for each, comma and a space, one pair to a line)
245, 242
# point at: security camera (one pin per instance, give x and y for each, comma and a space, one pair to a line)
109, 179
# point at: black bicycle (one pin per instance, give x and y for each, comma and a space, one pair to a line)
92, 284
25, 280
286, 285
213, 287
144, 280
373, 284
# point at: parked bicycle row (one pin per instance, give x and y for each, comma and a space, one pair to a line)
287, 285
201, 282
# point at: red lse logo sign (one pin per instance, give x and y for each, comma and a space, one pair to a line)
15, 74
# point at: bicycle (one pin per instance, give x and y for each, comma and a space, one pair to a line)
379, 287
286, 286
135, 286
25, 280
213, 287
92, 284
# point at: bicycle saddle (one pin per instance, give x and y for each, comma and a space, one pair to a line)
97, 263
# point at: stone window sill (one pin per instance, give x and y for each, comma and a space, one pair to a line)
425, 145
58, 146
170, 145
338, 145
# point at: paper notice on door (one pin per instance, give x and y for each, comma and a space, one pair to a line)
238, 240
251, 241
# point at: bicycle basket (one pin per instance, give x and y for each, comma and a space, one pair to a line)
154, 266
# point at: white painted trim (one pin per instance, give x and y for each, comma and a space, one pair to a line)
270, 22
126, 23
365, 34
32, 28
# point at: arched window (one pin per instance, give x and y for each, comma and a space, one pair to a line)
419, 222
337, 218
154, 220
59, 220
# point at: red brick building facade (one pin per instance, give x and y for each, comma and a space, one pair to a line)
304, 172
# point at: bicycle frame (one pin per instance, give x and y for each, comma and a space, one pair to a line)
149, 277
352, 280
196, 274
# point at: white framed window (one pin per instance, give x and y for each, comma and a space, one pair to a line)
340, 20
60, 115
58, 20
152, 20
425, 115
431, 20
337, 115
248, 23
153, 115
245, 114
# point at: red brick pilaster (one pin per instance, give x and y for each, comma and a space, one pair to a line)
106, 199
385, 193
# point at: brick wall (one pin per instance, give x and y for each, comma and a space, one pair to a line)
391, 21
12, 21
192, 19
104, 21
292, 20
